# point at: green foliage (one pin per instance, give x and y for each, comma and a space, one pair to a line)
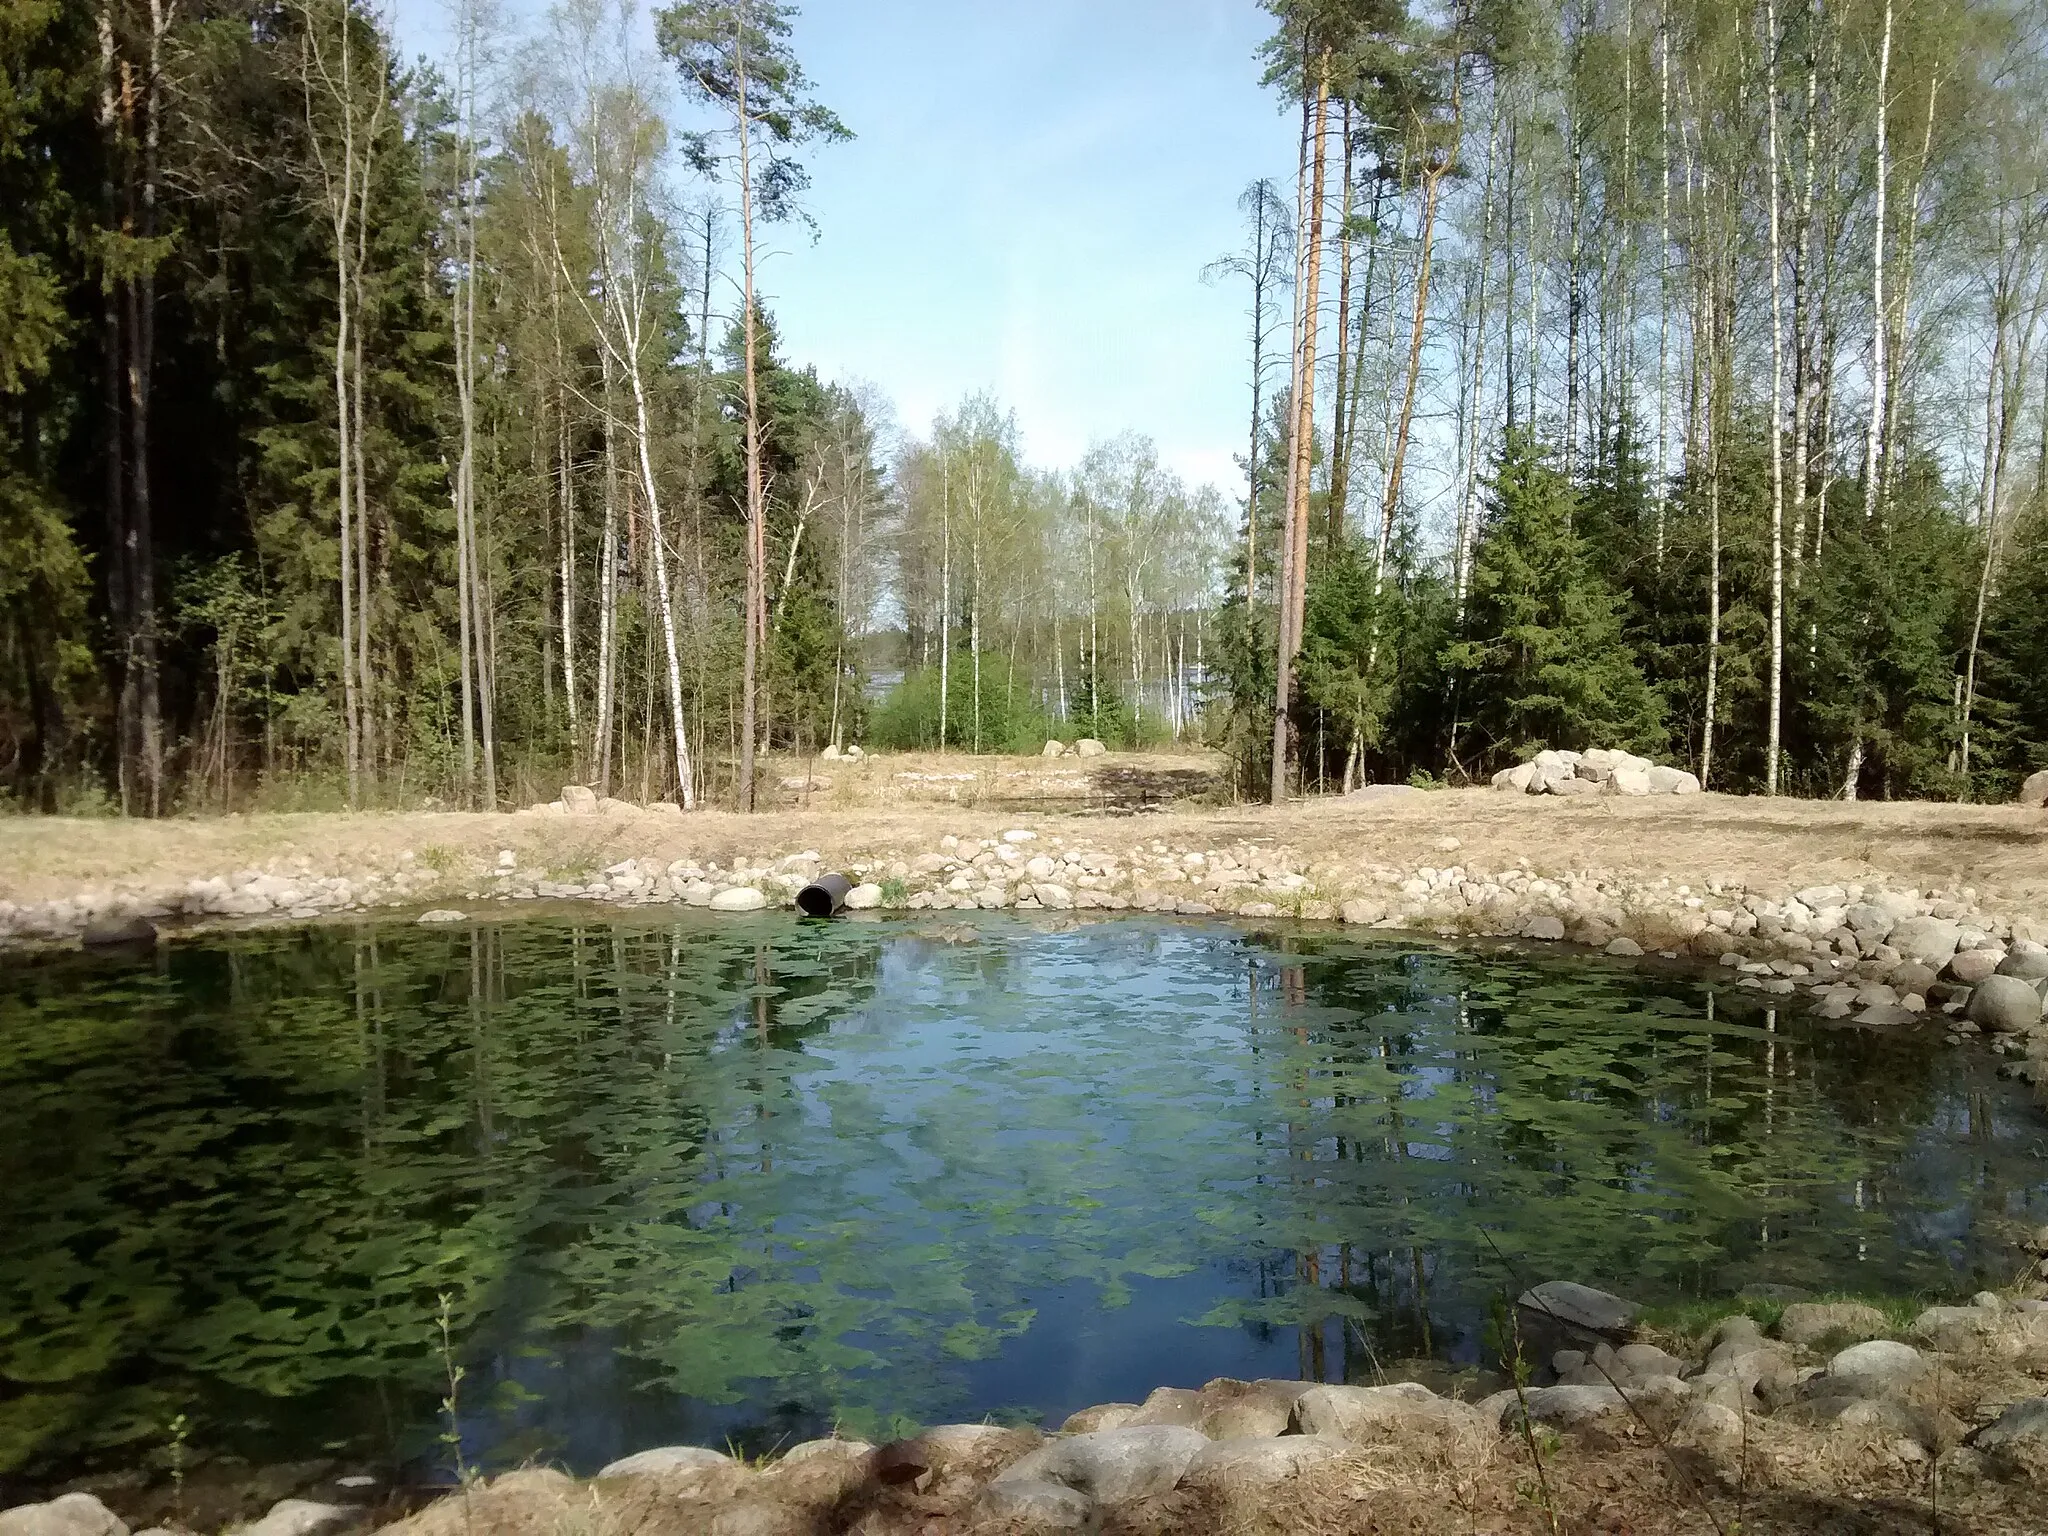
1096, 706
1541, 658
1348, 655
2012, 738
1885, 629
1011, 718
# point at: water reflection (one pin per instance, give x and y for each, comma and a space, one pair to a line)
686, 1180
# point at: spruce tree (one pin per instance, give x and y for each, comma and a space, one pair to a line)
1541, 660
2011, 739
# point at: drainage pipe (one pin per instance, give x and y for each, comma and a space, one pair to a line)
824, 896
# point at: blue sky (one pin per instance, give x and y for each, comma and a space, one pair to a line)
1027, 207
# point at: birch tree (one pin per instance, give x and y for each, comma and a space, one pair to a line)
735, 57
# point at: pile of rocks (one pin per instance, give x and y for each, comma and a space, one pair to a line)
1598, 772
833, 754
582, 800
1087, 746
1836, 1373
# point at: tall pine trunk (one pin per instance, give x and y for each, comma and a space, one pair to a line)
757, 500
1294, 588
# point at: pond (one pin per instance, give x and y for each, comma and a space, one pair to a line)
677, 1178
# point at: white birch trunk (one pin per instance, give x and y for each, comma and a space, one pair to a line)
1873, 441
1777, 418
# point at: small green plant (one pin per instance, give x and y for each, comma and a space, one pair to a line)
894, 892
451, 1405
1507, 1333
181, 1431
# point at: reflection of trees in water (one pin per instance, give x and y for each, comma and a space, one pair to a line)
247, 1177
799, 1170
1651, 1135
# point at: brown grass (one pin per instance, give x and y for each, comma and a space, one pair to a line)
1791, 1481
872, 809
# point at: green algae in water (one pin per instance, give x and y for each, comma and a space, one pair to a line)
706, 1180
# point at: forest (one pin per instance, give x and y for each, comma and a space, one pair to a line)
1664, 374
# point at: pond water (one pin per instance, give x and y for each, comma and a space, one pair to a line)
709, 1180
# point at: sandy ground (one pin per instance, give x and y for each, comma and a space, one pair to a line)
901, 804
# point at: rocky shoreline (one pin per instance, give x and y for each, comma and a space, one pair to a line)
1866, 953
1835, 1399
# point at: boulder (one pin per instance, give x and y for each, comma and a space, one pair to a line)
1579, 1310
1088, 746
1552, 762
1971, 966
115, 932
1057, 898
1672, 781
1053, 749
2035, 790
1571, 786
579, 800
1643, 1361
1629, 781
1954, 1328
1543, 925
1363, 1415
1811, 1322
300, 1517
1734, 1334
2004, 1004
2027, 961
1247, 1464
1238, 1410
863, 896
666, 1460
1360, 911
1515, 780
1911, 980
1170, 1405
1101, 1416
1028, 1506
952, 1452
1931, 941
75, 1514
1565, 1406
2017, 1438
1711, 1423
1868, 920
1625, 948
1871, 1370
442, 915
824, 1450
831, 754
1113, 1466
738, 898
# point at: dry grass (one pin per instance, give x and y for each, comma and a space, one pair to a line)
874, 809
1792, 1482
1620, 1476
